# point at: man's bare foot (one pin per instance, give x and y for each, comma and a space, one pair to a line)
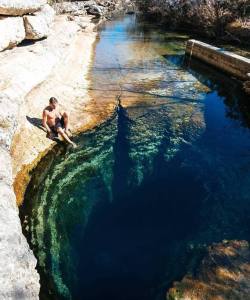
74, 145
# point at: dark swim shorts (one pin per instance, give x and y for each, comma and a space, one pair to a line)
59, 124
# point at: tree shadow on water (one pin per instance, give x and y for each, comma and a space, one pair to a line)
123, 162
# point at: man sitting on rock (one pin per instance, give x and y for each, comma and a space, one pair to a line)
56, 122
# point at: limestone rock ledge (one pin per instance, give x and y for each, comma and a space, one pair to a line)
223, 274
12, 32
20, 7
15, 29
38, 25
18, 277
29, 75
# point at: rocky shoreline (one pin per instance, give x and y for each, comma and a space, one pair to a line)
31, 74
66, 80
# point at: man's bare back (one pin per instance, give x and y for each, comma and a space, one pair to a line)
56, 122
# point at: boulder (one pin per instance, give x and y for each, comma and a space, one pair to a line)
38, 25
20, 7
93, 9
11, 32
73, 8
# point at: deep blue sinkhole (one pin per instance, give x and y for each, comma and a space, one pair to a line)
134, 207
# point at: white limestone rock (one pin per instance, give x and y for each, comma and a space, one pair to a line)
21, 71
38, 25
20, 7
19, 278
76, 8
9, 107
11, 32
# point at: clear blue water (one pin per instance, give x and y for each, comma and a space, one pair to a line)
134, 207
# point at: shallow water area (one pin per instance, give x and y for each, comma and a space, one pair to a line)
134, 206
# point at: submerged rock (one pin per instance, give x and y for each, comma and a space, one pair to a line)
11, 32
38, 25
20, 7
223, 274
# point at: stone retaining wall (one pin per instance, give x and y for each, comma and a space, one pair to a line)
231, 63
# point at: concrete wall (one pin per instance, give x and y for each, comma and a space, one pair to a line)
231, 63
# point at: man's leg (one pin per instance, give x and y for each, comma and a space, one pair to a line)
65, 136
66, 123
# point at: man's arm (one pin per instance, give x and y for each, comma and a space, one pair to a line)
45, 125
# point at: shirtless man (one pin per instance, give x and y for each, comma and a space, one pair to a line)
56, 122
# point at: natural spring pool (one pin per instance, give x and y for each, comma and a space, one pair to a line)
134, 206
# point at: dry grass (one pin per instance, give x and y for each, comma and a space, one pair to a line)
208, 16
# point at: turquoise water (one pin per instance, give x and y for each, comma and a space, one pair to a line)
134, 206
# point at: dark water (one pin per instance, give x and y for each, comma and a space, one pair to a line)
134, 206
